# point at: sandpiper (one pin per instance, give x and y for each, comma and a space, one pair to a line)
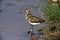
33, 20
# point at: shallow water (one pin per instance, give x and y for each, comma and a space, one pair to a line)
13, 25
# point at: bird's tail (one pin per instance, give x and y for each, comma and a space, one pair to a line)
42, 21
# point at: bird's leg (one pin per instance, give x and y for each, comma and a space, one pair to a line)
31, 29
32, 26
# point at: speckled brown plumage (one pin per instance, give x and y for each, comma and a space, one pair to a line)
31, 18
35, 19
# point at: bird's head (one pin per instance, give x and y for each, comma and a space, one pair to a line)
27, 10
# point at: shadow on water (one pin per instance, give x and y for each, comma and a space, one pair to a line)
10, 4
0, 10
0, 36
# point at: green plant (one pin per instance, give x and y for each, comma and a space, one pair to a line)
53, 13
53, 17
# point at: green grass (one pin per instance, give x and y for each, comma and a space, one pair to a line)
53, 13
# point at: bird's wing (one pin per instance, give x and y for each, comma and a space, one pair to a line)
35, 19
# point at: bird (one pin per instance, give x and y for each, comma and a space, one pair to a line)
33, 20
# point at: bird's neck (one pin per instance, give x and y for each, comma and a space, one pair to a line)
28, 15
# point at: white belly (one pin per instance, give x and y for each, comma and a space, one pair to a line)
34, 23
